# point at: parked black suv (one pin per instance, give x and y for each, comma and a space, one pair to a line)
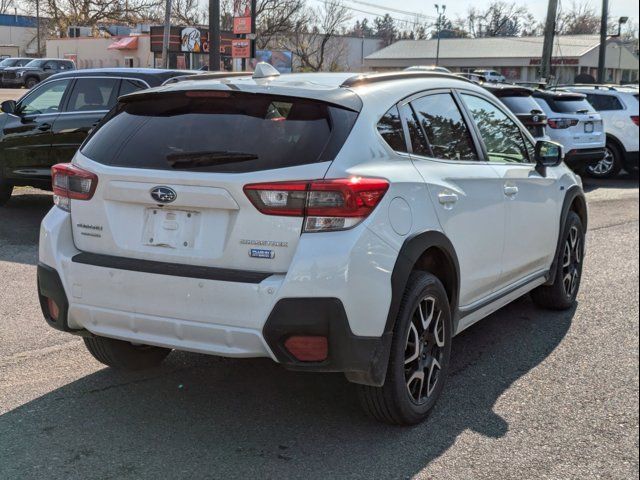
48, 124
34, 72
12, 62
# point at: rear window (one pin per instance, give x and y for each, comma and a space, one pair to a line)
604, 102
569, 105
521, 104
219, 132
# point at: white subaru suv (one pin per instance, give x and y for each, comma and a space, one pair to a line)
618, 107
326, 221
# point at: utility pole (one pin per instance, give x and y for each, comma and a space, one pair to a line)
549, 32
214, 35
38, 26
165, 36
602, 53
439, 29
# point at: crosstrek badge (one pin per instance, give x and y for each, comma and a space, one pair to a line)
261, 253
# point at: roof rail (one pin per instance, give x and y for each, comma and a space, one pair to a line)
206, 76
366, 79
596, 86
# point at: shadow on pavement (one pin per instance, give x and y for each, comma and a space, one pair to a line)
20, 224
207, 417
624, 180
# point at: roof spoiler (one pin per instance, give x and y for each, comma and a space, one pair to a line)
205, 76
365, 79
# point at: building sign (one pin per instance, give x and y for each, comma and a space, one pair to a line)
555, 61
241, 48
242, 17
191, 40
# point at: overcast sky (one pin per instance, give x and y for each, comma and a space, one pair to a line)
365, 8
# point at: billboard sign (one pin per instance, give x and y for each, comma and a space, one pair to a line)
241, 48
242, 17
191, 40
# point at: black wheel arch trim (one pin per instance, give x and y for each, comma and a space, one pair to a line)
574, 193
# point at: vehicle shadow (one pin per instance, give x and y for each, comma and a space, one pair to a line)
207, 417
20, 225
624, 180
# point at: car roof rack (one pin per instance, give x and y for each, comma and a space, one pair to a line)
206, 76
369, 78
595, 86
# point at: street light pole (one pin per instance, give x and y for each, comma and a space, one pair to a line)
214, 35
621, 20
38, 26
439, 29
165, 36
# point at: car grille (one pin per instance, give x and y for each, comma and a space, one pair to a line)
8, 75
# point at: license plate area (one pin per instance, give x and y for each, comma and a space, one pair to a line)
167, 228
588, 127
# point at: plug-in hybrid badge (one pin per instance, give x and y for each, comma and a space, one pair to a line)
163, 194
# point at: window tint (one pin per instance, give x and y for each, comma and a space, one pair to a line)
90, 94
569, 105
416, 135
390, 128
502, 137
521, 104
129, 86
45, 99
229, 132
604, 102
447, 134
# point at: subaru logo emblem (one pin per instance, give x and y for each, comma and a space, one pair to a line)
163, 194
536, 118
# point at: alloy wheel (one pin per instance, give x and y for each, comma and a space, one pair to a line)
424, 350
604, 166
571, 260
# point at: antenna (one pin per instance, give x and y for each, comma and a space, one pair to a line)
265, 70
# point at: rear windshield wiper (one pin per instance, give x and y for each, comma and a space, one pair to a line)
185, 160
584, 110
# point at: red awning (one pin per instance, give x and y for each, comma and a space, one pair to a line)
126, 43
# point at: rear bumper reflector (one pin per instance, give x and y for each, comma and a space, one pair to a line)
171, 269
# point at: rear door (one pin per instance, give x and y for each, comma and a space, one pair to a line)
466, 193
172, 170
532, 200
88, 102
25, 149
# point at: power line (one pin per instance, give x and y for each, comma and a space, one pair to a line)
394, 10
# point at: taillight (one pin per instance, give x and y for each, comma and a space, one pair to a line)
71, 182
327, 205
560, 123
634, 118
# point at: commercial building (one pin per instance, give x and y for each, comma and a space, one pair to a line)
518, 58
18, 35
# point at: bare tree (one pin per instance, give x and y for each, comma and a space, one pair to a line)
499, 19
580, 19
314, 39
5, 5
275, 18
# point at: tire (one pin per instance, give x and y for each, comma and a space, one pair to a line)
562, 294
609, 166
6, 189
124, 355
31, 82
414, 356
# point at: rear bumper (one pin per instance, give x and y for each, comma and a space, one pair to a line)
234, 317
577, 158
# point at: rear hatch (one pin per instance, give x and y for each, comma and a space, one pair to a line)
528, 112
574, 112
171, 170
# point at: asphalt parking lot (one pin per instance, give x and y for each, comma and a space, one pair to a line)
532, 394
11, 93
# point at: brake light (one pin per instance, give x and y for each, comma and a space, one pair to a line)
634, 119
71, 182
327, 205
561, 123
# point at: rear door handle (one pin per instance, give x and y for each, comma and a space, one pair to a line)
510, 190
447, 198
44, 127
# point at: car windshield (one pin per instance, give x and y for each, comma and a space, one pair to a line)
521, 104
35, 63
8, 62
219, 132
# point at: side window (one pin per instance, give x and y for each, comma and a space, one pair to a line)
445, 129
416, 135
502, 137
50, 66
45, 99
91, 94
390, 128
604, 102
129, 86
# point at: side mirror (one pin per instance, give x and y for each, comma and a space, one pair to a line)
8, 106
548, 154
